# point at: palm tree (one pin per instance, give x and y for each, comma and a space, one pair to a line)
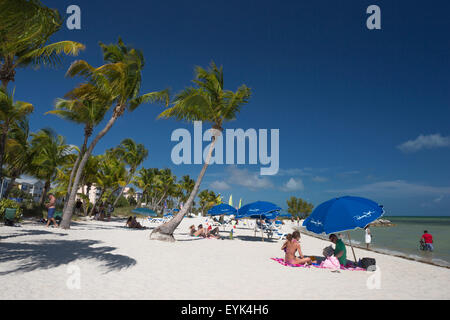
10, 112
52, 152
111, 175
87, 112
186, 184
133, 155
209, 102
120, 79
25, 28
208, 199
88, 179
19, 153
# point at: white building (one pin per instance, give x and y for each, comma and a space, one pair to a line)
32, 186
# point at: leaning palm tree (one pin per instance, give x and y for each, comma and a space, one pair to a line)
209, 102
25, 29
52, 152
10, 112
120, 79
87, 112
133, 155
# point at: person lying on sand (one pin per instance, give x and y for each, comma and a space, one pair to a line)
132, 223
201, 232
292, 245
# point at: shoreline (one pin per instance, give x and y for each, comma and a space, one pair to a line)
311, 234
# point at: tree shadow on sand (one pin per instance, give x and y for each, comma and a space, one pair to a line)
46, 254
24, 233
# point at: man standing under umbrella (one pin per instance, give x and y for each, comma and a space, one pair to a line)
339, 252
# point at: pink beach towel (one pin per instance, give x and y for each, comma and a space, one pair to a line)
281, 261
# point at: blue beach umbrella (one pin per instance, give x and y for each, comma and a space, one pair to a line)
222, 209
343, 214
145, 212
258, 208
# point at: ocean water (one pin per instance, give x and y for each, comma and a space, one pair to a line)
403, 238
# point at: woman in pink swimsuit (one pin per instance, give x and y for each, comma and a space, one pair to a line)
291, 246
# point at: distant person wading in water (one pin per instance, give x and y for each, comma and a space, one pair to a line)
428, 239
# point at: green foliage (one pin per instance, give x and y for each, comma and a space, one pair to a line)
8, 203
132, 201
208, 199
18, 193
122, 202
298, 207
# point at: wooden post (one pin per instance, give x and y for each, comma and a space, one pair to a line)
262, 230
350, 240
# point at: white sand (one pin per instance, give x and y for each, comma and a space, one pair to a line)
118, 263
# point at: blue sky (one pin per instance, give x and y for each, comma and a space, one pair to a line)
360, 112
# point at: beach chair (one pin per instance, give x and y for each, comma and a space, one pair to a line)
10, 216
58, 216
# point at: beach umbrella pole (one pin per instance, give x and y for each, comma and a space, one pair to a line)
350, 240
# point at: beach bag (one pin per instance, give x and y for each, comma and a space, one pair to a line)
367, 262
331, 263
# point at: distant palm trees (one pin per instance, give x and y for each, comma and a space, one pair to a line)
207, 101
19, 153
208, 199
133, 155
11, 112
51, 152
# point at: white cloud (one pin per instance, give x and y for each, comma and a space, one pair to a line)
219, 185
244, 177
425, 142
319, 179
293, 185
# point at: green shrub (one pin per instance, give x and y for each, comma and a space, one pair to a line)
8, 203
122, 202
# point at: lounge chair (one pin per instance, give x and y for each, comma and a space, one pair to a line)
10, 216
58, 216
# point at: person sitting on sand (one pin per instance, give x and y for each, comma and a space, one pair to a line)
192, 230
214, 233
132, 223
291, 246
340, 251
200, 232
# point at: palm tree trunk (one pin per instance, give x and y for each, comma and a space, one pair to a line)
2, 147
68, 212
10, 185
95, 203
165, 231
74, 169
44, 192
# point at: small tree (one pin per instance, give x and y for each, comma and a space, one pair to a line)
298, 207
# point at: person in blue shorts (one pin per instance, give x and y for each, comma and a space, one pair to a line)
51, 206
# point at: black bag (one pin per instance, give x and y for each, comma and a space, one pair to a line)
9, 223
367, 262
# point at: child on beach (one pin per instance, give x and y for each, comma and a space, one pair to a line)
291, 246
